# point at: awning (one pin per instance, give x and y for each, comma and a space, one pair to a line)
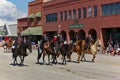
38, 14
31, 15
33, 31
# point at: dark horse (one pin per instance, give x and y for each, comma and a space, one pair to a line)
64, 52
44, 50
21, 51
55, 46
49, 48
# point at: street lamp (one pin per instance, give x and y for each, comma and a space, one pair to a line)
29, 32
59, 28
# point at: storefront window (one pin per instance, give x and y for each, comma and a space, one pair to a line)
111, 9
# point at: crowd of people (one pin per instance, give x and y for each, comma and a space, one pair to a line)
113, 48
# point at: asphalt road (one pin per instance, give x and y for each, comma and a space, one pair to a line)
104, 68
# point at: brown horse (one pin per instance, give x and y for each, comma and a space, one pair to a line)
93, 49
8, 46
46, 49
78, 48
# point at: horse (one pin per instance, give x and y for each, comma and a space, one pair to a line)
45, 49
21, 51
77, 48
8, 46
64, 49
93, 50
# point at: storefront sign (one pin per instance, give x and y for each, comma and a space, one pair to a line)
76, 26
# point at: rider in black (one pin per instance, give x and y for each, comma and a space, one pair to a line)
88, 40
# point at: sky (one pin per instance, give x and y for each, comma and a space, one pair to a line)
10, 10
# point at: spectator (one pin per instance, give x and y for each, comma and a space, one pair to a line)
108, 49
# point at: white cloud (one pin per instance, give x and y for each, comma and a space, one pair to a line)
9, 11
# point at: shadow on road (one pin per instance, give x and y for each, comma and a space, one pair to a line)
20, 65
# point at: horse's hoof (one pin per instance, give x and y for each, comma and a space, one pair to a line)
93, 61
81, 60
78, 61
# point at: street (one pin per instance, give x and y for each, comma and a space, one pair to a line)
105, 68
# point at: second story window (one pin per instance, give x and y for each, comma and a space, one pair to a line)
95, 11
61, 16
69, 14
89, 11
74, 13
84, 12
51, 17
111, 9
65, 15
79, 13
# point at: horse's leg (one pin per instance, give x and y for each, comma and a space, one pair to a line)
15, 58
55, 58
20, 59
83, 57
39, 56
69, 56
64, 60
78, 57
94, 56
43, 58
23, 60
48, 58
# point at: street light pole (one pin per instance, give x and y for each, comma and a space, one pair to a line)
29, 33
59, 28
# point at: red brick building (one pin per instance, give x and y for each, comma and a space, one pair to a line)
22, 24
76, 19
33, 22
100, 18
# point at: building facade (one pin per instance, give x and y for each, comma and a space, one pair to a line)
76, 19
32, 20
